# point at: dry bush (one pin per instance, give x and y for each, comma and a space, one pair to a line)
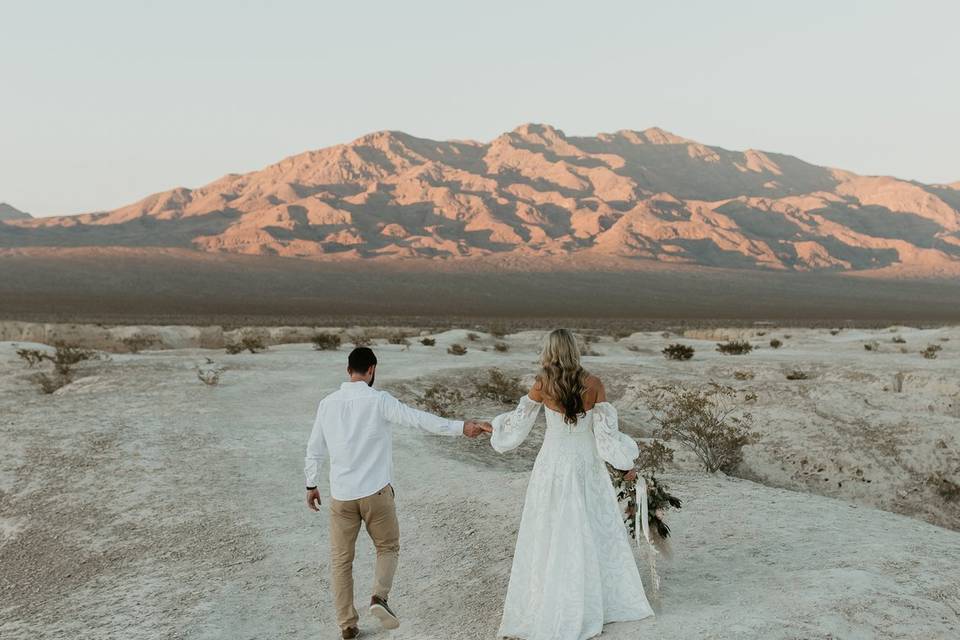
834, 332
654, 457
32, 357
457, 350
872, 345
501, 347
498, 330
898, 382
787, 336
428, 342
734, 347
678, 352
139, 342
743, 375
361, 340
398, 338
325, 341
776, 344
665, 334
931, 352
709, 422
899, 340
472, 337
761, 333
797, 374
499, 387
620, 334
633, 347
441, 400
251, 343
66, 356
946, 488
49, 383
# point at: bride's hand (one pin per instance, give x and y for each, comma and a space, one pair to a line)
631, 475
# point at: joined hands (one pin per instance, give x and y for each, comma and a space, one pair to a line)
473, 428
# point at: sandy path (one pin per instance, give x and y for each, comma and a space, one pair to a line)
141, 504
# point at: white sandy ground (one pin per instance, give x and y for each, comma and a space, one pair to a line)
139, 503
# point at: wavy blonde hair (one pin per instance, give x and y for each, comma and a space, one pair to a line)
561, 377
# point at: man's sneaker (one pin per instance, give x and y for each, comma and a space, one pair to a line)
379, 608
349, 633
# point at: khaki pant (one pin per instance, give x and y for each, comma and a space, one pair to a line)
379, 514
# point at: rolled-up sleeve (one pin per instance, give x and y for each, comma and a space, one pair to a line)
399, 413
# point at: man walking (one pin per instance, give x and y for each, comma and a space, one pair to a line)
354, 427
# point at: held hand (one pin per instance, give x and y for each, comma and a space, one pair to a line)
313, 499
630, 475
473, 428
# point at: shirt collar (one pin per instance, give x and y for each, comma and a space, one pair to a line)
355, 387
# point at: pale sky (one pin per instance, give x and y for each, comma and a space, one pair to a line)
104, 102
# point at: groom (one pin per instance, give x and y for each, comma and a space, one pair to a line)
354, 426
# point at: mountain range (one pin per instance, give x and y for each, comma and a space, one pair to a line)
534, 193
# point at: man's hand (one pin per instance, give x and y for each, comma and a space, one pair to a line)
473, 428
313, 499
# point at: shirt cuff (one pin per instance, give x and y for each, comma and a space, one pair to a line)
456, 427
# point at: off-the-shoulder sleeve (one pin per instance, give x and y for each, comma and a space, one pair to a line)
617, 448
510, 429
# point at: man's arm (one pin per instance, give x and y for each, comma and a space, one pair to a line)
316, 451
400, 413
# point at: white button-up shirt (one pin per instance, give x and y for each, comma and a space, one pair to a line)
354, 426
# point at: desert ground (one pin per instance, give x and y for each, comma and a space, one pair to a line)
138, 502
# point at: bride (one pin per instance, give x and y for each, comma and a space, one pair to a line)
573, 568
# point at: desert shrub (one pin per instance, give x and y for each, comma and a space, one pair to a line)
428, 342
251, 343
472, 337
678, 352
944, 339
776, 344
497, 330
787, 336
706, 421
872, 345
654, 457
834, 332
898, 382
633, 347
743, 375
761, 333
49, 383
66, 356
139, 342
499, 387
899, 340
501, 347
398, 338
945, 488
325, 341
734, 347
441, 399
620, 334
665, 334
361, 340
931, 352
797, 374
32, 357
457, 350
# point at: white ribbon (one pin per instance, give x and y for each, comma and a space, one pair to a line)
642, 515
644, 526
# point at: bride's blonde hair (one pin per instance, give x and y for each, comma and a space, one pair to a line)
561, 377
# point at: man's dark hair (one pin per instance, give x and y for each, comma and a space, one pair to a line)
361, 359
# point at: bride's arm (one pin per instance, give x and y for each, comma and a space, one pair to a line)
617, 448
511, 429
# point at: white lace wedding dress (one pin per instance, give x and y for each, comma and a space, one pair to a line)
573, 568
